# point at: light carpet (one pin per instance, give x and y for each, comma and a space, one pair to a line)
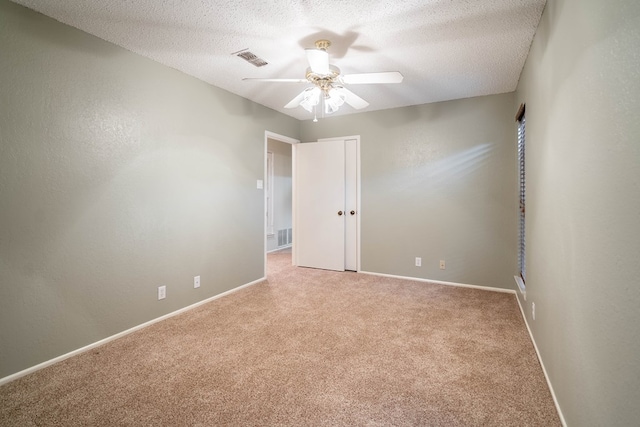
305, 348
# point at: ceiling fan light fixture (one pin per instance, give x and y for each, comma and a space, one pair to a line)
333, 99
336, 94
330, 108
310, 99
327, 91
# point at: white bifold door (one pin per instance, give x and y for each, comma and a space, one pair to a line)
326, 204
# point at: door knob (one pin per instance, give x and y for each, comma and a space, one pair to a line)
340, 213
353, 212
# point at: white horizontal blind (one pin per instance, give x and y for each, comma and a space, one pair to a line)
521, 163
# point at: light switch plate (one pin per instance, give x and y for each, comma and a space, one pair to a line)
260, 184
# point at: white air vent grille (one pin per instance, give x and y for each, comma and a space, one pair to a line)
251, 58
284, 237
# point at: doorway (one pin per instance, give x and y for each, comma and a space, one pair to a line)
278, 224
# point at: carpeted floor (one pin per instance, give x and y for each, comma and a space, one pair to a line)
307, 347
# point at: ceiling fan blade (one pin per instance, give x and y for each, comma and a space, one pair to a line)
368, 78
278, 80
296, 101
318, 61
354, 100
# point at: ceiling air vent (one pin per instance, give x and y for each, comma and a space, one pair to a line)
251, 58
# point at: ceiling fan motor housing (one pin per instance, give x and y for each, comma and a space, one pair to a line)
323, 44
323, 81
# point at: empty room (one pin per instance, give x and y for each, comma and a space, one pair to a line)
319, 213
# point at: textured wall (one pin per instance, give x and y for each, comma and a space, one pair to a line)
438, 182
282, 203
581, 85
117, 175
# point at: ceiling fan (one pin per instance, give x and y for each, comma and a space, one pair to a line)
328, 89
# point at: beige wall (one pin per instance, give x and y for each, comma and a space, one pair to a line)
118, 175
282, 203
582, 89
438, 182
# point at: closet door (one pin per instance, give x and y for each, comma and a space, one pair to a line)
320, 205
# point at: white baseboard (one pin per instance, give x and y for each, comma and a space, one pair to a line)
120, 334
439, 282
486, 288
544, 370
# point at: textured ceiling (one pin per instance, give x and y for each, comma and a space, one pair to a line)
446, 49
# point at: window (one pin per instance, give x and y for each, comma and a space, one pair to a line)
520, 118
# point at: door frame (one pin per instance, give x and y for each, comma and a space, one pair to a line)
288, 140
358, 198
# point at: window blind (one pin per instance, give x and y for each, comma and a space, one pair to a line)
522, 187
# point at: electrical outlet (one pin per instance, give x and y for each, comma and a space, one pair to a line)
162, 292
196, 282
533, 310
418, 262
442, 265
